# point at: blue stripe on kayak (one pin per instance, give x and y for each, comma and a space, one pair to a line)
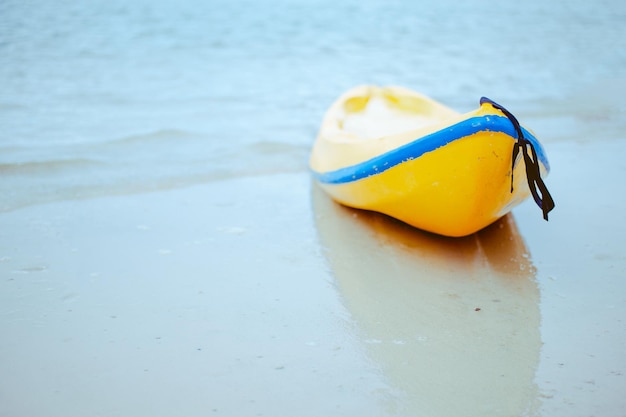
426, 144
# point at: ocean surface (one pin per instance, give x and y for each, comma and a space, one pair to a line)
115, 97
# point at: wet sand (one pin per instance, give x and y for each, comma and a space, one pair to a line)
260, 296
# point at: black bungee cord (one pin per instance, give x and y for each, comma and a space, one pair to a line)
533, 175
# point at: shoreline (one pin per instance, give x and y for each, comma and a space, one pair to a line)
226, 295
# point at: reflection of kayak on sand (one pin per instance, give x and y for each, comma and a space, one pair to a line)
453, 324
397, 152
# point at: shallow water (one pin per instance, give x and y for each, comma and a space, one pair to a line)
116, 97
126, 290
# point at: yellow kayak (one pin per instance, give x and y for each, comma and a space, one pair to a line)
395, 151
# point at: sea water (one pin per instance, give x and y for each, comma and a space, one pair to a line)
114, 97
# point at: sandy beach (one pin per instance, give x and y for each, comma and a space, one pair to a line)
260, 296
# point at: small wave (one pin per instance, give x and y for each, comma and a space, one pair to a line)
274, 148
4, 106
38, 167
163, 135
128, 169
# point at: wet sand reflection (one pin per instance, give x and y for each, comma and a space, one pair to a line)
453, 324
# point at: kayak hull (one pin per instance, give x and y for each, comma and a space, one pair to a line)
451, 177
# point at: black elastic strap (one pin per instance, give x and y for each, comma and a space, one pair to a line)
533, 175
